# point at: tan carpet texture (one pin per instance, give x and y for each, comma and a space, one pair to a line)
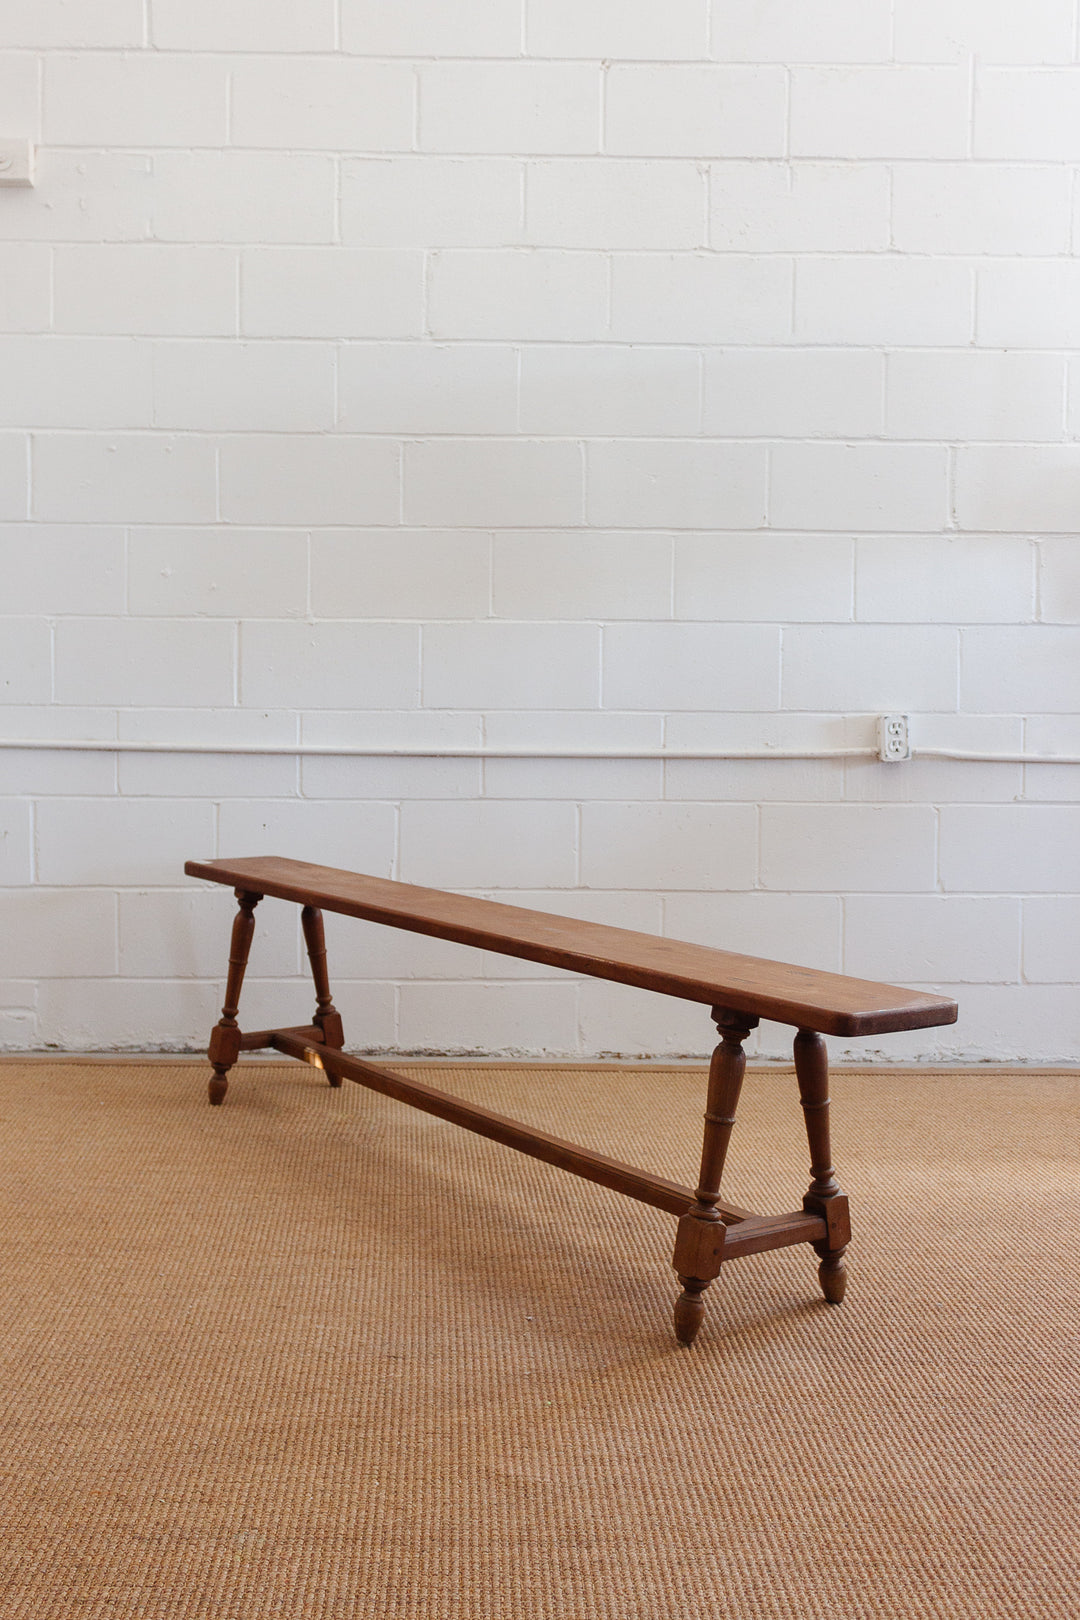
315, 1354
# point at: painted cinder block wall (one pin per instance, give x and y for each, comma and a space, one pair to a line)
541, 371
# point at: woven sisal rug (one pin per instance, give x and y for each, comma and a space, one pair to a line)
315, 1354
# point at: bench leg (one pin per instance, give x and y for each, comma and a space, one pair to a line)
825, 1197
327, 1018
699, 1246
225, 1036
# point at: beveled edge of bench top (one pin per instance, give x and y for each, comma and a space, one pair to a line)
831, 1003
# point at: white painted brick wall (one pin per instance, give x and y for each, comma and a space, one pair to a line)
320, 104
42, 24
803, 31
27, 660
1059, 580
428, 202
977, 578
25, 276
323, 292
243, 196
537, 374
1029, 303
887, 301
20, 93
681, 484
628, 203
308, 478
284, 665
76, 568
798, 207
880, 112
399, 574
851, 486
981, 208
591, 575
1021, 113
499, 844
276, 387
668, 111
763, 577
616, 29
511, 666
671, 846
569, 389
961, 394
995, 31
793, 393
691, 666
516, 295
245, 25
146, 289
138, 100
429, 28
118, 478
92, 196
700, 298
75, 382
524, 483
844, 666
168, 660
14, 480
185, 573
508, 107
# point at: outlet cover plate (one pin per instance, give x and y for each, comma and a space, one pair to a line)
894, 743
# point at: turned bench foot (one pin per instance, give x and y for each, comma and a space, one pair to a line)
690, 1309
832, 1275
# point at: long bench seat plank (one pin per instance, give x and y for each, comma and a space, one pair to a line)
830, 1003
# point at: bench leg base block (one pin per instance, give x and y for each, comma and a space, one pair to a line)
832, 1273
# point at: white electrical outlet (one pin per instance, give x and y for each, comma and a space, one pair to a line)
893, 742
16, 162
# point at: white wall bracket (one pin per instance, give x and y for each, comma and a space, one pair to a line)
16, 161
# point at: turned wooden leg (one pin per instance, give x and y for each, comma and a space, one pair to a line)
825, 1197
225, 1036
326, 1016
699, 1246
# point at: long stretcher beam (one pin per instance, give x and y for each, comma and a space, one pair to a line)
623, 1178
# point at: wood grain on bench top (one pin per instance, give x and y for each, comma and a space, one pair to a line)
831, 1003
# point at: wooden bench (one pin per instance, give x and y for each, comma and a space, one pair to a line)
740, 990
